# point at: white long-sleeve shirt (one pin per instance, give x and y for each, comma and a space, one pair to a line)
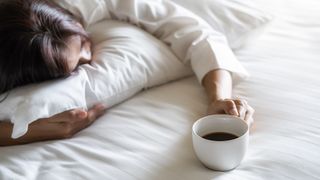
190, 38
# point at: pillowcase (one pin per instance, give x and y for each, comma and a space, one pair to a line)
239, 20
125, 60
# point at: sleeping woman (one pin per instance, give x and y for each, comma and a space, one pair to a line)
40, 41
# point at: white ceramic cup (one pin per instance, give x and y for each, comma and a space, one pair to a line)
220, 155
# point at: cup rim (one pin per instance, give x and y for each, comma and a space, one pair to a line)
219, 115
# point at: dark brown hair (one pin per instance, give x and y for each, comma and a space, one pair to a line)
33, 37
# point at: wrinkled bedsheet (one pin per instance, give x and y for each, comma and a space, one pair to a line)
149, 136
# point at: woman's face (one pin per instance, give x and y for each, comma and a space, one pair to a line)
79, 52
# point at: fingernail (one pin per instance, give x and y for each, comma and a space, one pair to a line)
233, 112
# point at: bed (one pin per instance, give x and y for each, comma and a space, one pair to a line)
149, 135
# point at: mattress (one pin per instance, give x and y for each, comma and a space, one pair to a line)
149, 136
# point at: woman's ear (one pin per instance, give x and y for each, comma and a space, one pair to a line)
85, 54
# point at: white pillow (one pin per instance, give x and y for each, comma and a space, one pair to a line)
239, 20
125, 60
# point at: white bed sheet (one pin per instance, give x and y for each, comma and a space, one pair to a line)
149, 136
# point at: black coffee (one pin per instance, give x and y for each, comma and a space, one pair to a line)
220, 136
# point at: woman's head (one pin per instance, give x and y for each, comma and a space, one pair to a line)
38, 41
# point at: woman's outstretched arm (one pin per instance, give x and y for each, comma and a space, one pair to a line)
60, 126
189, 37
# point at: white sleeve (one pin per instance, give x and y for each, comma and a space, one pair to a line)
190, 38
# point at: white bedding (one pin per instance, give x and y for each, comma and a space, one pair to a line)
149, 136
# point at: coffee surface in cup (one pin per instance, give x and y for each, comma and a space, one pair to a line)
220, 136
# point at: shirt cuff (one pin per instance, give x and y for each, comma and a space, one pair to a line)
212, 54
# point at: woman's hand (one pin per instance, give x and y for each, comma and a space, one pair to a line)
67, 124
60, 126
218, 85
236, 107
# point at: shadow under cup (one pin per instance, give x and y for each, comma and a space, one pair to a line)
220, 155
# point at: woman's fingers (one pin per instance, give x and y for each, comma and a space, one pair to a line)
95, 112
230, 107
235, 107
250, 121
81, 119
79, 113
238, 107
249, 115
241, 107
70, 122
66, 116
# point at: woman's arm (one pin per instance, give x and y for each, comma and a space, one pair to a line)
60, 126
191, 38
218, 85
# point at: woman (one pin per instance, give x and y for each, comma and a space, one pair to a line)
56, 43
